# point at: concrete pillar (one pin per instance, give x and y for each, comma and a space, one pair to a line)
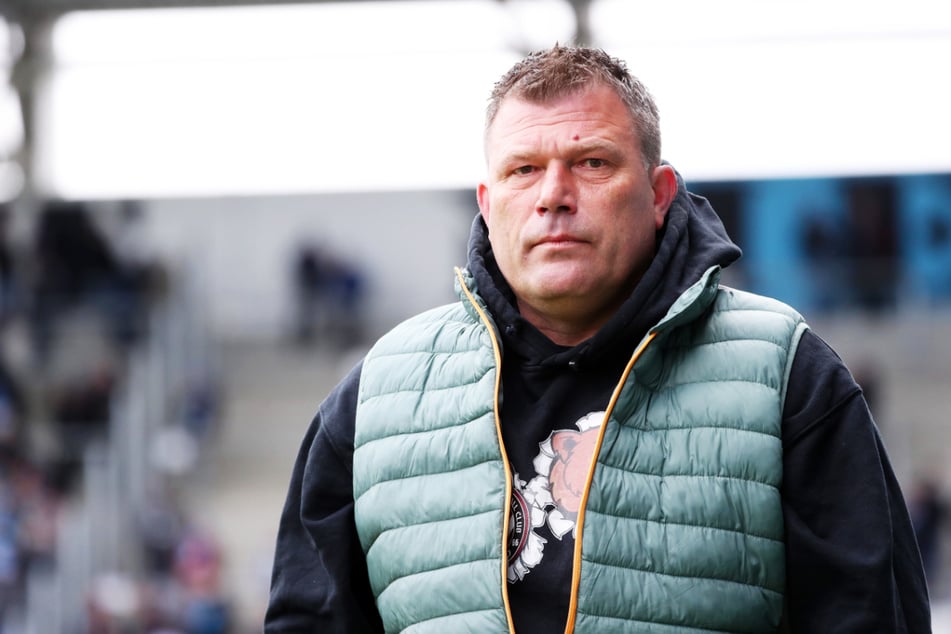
29, 68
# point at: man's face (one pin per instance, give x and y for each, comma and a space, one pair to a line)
571, 209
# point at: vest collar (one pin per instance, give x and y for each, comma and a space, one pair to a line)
692, 302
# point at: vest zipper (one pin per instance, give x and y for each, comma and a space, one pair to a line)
507, 508
579, 524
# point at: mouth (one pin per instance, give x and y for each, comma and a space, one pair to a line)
559, 240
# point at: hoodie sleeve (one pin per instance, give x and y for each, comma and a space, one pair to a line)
852, 558
319, 582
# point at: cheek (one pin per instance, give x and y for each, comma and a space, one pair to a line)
497, 226
502, 222
501, 233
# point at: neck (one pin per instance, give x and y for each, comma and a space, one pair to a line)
564, 329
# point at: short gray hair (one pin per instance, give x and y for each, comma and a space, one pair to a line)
563, 70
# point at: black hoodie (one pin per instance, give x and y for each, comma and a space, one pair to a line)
852, 560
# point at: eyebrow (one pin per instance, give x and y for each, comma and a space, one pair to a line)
519, 155
597, 146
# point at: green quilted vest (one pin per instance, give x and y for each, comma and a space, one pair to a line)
681, 529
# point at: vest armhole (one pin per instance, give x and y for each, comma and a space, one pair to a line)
801, 327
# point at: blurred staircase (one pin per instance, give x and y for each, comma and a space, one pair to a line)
271, 392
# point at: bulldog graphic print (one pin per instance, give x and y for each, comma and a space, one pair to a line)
552, 498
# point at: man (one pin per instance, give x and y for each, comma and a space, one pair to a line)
597, 437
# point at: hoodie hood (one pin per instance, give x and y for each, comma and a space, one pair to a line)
692, 240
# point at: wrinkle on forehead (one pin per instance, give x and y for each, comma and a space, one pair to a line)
595, 105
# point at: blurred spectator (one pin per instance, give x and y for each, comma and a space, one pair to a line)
183, 595
823, 245
328, 293
81, 410
38, 504
868, 375
198, 572
113, 605
8, 279
308, 286
9, 551
28, 525
13, 410
73, 264
928, 511
873, 244
938, 243
200, 402
78, 266
161, 527
939, 232
142, 277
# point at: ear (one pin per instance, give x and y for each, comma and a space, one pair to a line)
482, 195
664, 184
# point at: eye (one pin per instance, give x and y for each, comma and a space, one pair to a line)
523, 170
594, 163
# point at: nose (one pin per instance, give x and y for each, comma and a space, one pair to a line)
556, 190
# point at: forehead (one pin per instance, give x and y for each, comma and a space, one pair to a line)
592, 108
